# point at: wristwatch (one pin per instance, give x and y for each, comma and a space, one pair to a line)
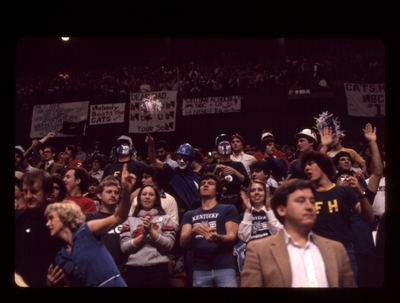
363, 196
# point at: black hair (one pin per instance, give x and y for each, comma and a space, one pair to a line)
58, 179
161, 144
324, 162
156, 173
83, 175
263, 165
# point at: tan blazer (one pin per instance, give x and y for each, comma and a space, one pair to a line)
267, 263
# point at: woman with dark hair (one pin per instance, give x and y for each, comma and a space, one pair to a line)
84, 260
59, 189
148, 236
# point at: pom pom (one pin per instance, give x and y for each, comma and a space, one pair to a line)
150, 107
328, 120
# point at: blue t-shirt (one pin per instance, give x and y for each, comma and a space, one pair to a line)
89, 264
206, 255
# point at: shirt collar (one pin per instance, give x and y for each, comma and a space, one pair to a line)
263, 208
290, 240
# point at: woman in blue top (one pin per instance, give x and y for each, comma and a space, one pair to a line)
84, 261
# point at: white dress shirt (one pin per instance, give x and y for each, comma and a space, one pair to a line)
306, 263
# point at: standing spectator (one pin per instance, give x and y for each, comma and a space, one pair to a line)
238, 154
154, 176
162, 149
296, 256
21, 164
123, 152
59, 189
148, 236
234, 173
80, 154
96, 167
334, 203
84, 261
77, 182
47, 162
212, 231
34, 249
108, 194
306, 142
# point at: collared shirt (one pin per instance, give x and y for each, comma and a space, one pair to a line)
306, 263
47, 164
98, 175
245, 159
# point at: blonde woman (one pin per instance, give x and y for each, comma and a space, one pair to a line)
84, 260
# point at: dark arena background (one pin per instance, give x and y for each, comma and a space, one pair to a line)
98, 67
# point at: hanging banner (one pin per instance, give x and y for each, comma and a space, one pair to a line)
211, 105
106, 113
365, 100
65, 119
163, 122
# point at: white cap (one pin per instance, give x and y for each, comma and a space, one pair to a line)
306, 133
266, 135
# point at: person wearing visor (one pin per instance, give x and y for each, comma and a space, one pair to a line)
122, 153
234, 173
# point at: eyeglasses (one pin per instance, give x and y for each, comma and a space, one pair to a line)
47, 151
344, 178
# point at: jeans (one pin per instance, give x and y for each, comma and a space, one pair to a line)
215, 278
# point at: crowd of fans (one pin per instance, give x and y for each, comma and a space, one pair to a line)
124, 219
87, 174
313, 73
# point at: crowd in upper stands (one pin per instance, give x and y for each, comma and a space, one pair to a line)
314, 73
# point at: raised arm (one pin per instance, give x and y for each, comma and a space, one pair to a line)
326, 139
101, 226
376, 162
151, 151
363, 208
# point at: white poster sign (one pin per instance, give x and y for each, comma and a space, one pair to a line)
365, 100
106, 113
211, 105
53, 117
163, 122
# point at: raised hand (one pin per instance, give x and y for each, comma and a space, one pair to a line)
326, 136
246, 200
128, 180
369, 133
149, 139
54, 275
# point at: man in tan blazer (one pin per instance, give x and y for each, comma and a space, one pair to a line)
296, 257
